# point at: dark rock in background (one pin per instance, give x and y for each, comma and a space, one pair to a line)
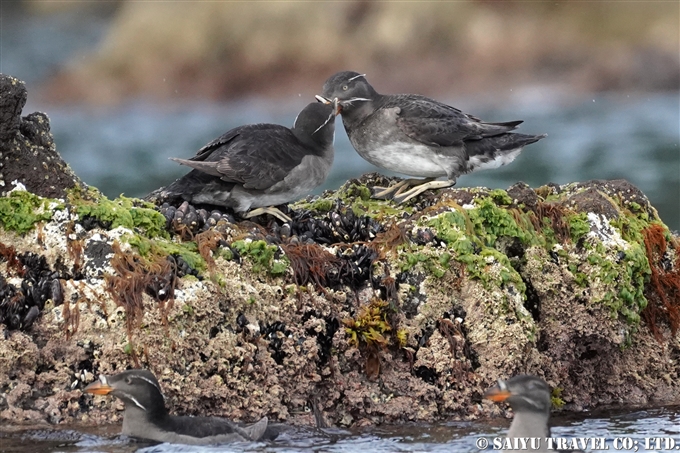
27, 152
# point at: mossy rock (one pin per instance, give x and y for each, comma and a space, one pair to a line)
458, 288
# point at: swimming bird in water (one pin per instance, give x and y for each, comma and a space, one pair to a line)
418, 136
261, 165
146, 417
530, 400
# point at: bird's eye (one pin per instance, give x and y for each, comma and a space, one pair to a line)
344, 88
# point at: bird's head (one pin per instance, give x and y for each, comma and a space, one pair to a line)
522, 393
137, 388
351, 89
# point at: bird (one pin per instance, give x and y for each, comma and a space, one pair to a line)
146, 416
418, 136
530, 399
261, 165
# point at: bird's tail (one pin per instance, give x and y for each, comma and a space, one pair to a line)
493, 152
186, 188
204, 166
257, 430
508, 125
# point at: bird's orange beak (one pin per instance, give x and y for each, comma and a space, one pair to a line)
497, 394
335, 102
98, 388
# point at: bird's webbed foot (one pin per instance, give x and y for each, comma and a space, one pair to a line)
390, 193
402, 197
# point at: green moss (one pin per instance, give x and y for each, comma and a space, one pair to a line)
491, 222
449, 225
637, 210
507, 273
378, 209
617, 276
581, 279
279, 267
434, 262
578, 225
548, 232
472, 237
556, 398
631, 292
355, 191
500, 197
319, 205
322, 205
131, 213
633, 269
474, 248
409, 260
359, 198
218, 279
21, 210
163, 247
631, 226
624, 285
223, 252
262, 256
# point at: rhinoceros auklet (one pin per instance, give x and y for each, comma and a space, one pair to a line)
146, 417
261, 165
529, 398
418, 136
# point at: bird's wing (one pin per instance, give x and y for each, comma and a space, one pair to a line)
201, 427
437, 124
259, 161
221, 141
216, 426
256, 156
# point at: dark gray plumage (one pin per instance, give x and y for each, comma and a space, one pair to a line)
146, 417
418, 136
261, 165
530, 399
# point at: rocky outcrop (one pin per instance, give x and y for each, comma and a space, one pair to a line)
358, 311
27, 152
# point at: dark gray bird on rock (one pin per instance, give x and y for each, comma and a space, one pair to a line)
146, 417
418, 136
530, 400
261, 165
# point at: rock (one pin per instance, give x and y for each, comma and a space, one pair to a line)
292, 48
358, 312
27, 152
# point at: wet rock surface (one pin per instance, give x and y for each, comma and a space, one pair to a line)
356, 312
